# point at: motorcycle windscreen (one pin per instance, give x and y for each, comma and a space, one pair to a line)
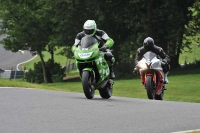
88, 41
149, 55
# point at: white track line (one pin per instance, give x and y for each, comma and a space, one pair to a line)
15, 87
188, 131
25, 62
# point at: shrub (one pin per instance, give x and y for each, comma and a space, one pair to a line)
54, 73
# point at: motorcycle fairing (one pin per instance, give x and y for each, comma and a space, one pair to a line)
154, 62
88, 57
102, 67
159, 85
150, 65
85, 54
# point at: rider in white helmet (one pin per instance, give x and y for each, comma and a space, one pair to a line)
90, 28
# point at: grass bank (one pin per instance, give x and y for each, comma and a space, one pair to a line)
62, 60
184, 86
190, 55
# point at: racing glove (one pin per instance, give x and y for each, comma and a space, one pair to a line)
164, 62
103, 48
135, 71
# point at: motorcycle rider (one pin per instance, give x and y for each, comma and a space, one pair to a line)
90, 28
148, 45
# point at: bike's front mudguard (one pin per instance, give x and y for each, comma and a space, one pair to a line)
145, 73
87, 69
157, 80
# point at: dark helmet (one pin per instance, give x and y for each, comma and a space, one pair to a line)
148, 43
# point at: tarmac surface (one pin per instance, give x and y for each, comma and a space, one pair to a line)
47, 111
9, 60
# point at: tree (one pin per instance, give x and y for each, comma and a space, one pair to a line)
28, 29
168, 25
192, 34
163, 20
46, 24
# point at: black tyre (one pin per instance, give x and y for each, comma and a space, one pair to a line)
88, 87
149, 87
106, 92
161, 96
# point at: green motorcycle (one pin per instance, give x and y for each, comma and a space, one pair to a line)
93, 68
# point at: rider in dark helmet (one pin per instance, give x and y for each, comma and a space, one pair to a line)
148, 45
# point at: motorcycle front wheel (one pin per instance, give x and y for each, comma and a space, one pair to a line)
88, 87
149, 87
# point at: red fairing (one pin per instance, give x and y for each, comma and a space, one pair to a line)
159, 86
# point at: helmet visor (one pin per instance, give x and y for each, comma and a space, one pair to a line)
89, 32
148, 46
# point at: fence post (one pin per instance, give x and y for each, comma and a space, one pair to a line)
24, 73
11, 73
69, 66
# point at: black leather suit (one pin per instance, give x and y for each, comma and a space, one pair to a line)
157, 50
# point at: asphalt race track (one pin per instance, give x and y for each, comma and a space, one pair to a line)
46, 111
9, 60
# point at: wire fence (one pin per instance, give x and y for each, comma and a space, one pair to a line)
10, 74
69, 66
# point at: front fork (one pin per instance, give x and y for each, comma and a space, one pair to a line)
92, 73
143, 76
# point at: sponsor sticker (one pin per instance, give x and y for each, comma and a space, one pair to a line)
84, 55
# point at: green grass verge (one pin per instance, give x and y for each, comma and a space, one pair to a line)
182, 87
62, 60
193, 132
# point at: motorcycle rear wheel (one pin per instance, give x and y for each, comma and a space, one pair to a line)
149, 87
88, 87
161, 96
106, 92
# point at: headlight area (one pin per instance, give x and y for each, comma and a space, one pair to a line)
142, 65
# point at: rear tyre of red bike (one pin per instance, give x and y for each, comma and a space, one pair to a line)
161, 96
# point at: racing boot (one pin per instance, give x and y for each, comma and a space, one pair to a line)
112, 74
165, 78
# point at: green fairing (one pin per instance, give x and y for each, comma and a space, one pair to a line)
95, 56
102, 67
109, 43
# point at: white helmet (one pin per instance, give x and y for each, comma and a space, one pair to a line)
90, 27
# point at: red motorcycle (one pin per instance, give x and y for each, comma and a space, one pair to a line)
152, 75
